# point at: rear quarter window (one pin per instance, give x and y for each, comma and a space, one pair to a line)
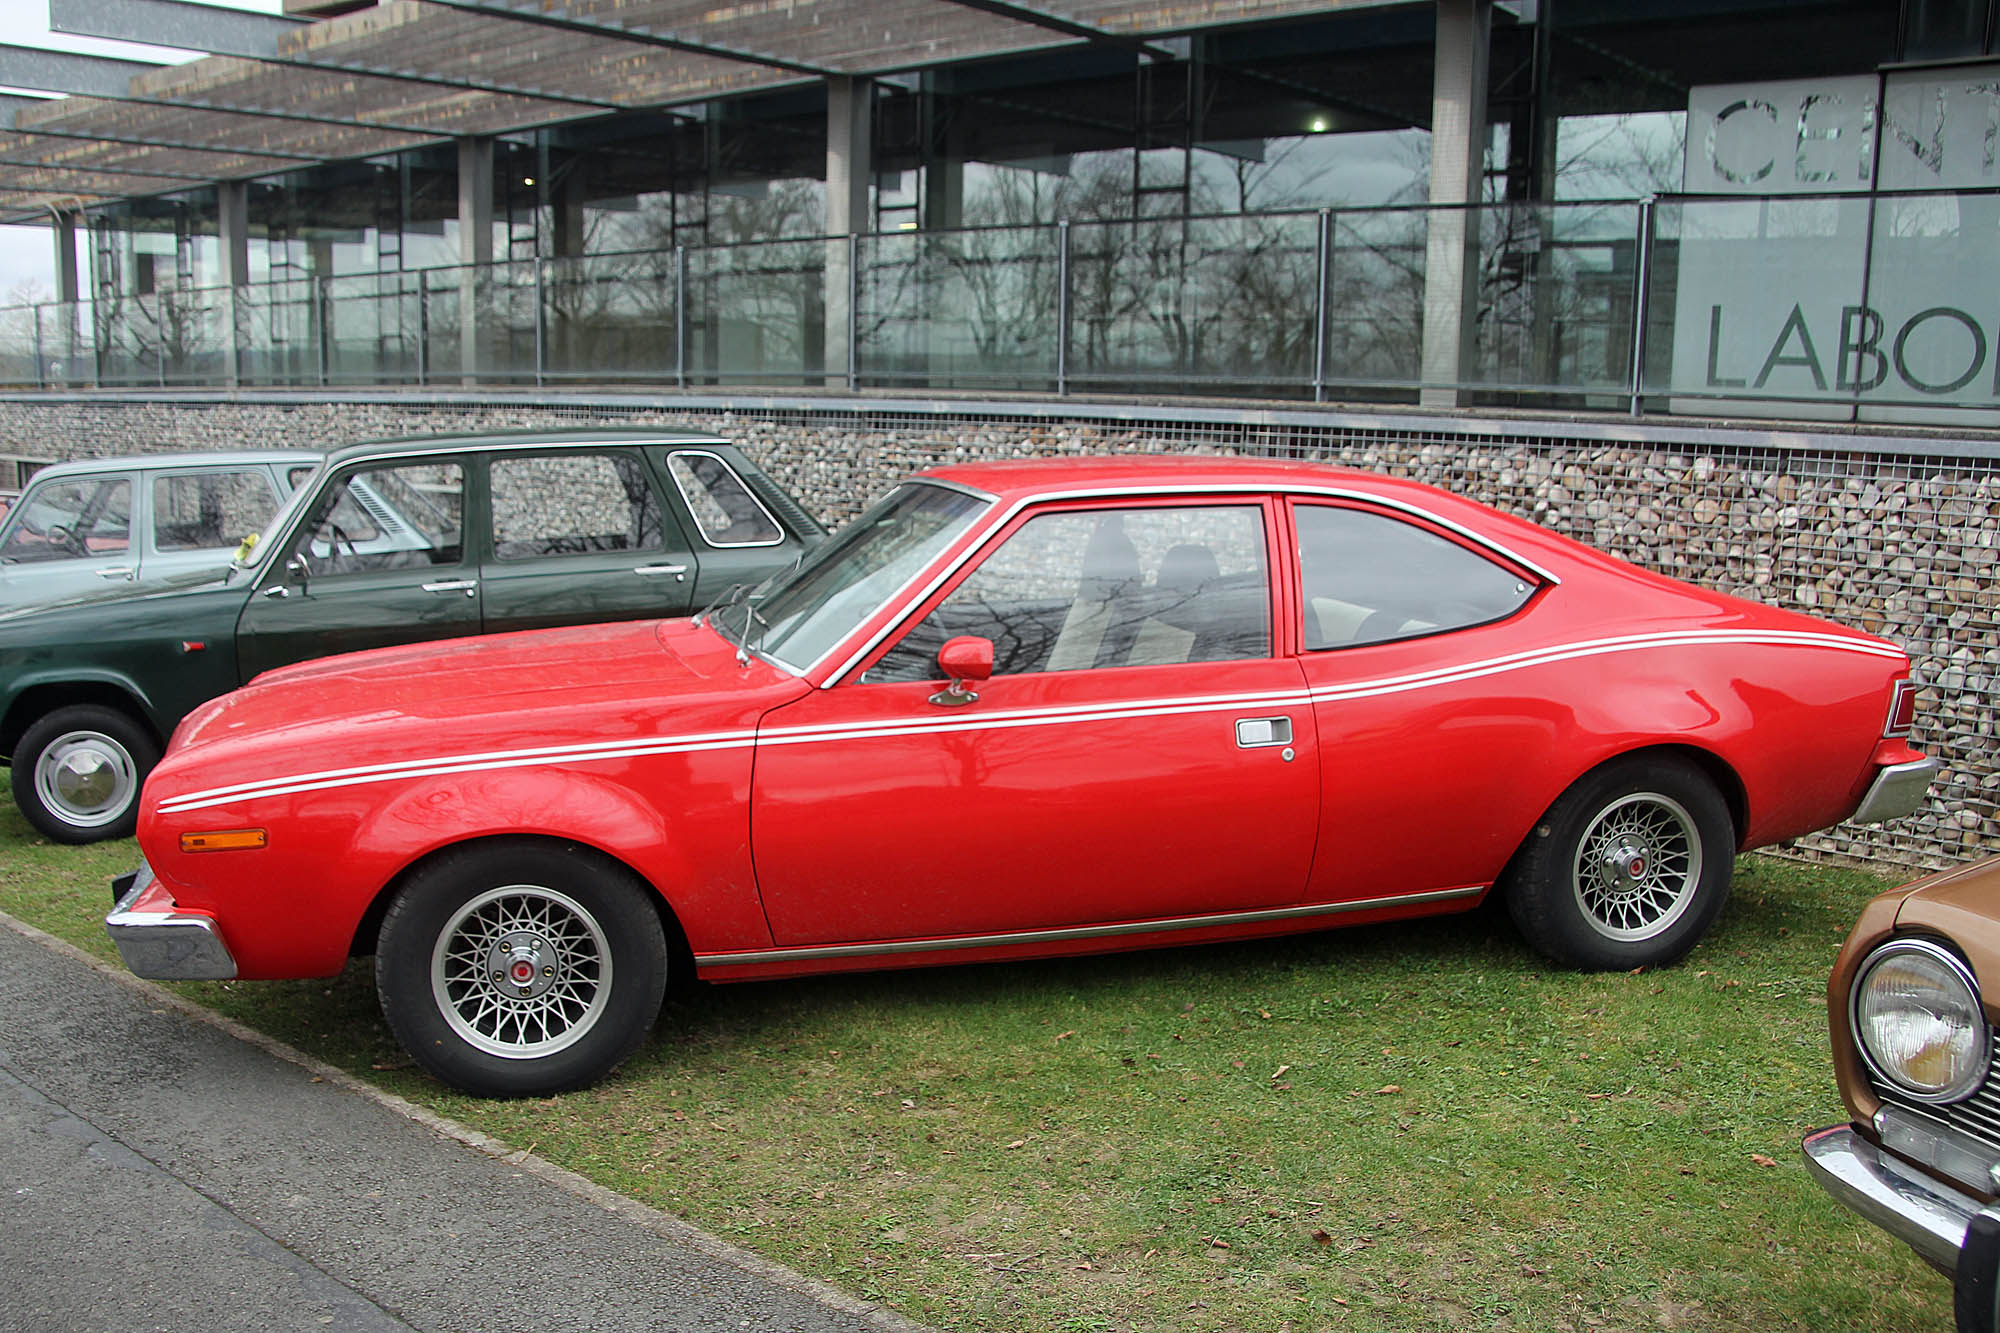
1372, 578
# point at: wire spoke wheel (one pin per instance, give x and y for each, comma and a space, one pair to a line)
1637, 867
521, 972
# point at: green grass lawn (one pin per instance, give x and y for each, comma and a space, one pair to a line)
1408, 1127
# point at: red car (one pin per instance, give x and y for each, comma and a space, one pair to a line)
1014, 710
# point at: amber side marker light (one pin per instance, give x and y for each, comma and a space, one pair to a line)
225, 840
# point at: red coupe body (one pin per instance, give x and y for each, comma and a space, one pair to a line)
817, 802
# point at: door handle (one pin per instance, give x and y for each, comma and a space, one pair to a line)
470, 587
1257, 733
678, 571
116, 572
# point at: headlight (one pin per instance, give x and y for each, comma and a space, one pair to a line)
1916, 1014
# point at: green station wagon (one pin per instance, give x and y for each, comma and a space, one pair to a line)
386, 543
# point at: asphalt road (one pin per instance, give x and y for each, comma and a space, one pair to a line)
157, 1172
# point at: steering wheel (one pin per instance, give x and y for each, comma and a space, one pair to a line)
58, 535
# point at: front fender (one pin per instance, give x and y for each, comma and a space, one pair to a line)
696, 855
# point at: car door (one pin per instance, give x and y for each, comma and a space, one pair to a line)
69, 536
579, 536
196, 517
1426, 700
1140, 753
379, 559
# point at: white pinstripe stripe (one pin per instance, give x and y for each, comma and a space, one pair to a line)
332, 779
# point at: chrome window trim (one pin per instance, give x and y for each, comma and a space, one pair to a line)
755, 499
1154, 492
1162, 926
1953, 963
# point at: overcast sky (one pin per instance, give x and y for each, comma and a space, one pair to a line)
26, 256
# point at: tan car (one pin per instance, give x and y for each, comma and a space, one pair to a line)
1913, 1050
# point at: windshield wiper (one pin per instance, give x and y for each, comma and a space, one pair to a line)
752, 617
729, 597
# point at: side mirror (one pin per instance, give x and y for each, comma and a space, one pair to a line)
965, 660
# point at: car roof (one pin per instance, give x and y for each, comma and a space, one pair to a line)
160, 462
1024, 479
515, 439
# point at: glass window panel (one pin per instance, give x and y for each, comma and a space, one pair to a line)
1368, 578
71, 520
205, 510
723, 507
1107, 588
572, 505
405, 517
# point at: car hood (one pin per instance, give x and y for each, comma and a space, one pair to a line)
460, 700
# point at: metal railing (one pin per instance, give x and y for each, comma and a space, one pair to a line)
1613, 305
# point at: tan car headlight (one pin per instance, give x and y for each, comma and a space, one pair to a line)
1916, 1014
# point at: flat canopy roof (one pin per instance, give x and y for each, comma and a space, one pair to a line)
281, 92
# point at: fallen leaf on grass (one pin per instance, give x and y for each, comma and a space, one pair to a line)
1061, 1035
1017, 1143
1389, 1091
1280, 1072
1322, 1237
1761, 1160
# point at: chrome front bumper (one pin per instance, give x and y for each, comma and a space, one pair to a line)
1924, 1213
1898, 790
160, 942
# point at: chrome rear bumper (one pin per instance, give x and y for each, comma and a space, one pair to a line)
1898, 790
160, 942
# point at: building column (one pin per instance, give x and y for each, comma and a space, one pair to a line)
63, 343
850, 170
475, 244
64, 228
232, 225
1458, 161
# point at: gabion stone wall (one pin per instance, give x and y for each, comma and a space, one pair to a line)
1896, 542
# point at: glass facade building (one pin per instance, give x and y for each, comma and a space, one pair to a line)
1748, 206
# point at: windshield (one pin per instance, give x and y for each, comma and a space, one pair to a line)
251, 554
798, 616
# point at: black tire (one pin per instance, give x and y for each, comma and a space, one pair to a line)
582, 928
78, 771
1628, 868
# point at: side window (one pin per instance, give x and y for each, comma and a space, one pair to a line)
572, 505
726, 510
1369, 578
295, 476
71, 520
1107, 588
409, 516
206, 510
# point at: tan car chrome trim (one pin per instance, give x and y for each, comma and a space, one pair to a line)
1163, 926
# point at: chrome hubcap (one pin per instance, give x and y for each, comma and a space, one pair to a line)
521, 972
86, 779
1637, 867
